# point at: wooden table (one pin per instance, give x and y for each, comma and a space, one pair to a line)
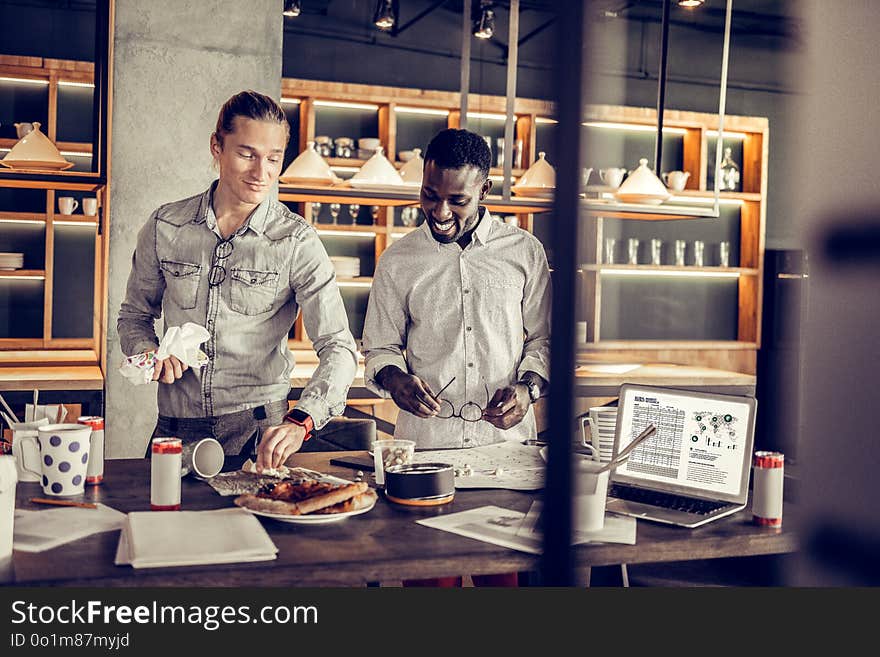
382, 545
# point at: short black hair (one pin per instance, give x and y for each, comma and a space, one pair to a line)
453, 149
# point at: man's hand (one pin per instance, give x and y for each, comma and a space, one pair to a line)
410, 393
278, 444
169, 370
508, 406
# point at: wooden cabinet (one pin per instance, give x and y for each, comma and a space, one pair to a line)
52, 308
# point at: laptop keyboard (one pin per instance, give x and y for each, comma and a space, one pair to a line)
665, 500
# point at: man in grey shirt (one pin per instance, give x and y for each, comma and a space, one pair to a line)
241, 264
457, 326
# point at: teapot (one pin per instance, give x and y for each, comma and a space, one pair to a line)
675, 180
21, 129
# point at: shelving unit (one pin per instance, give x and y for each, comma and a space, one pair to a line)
54, 304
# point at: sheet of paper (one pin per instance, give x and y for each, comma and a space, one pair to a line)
36, 531
617, 529
490, 524
503, 465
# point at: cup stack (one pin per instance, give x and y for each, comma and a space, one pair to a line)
603, 424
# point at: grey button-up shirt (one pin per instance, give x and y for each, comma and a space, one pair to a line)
276, 265
479, 314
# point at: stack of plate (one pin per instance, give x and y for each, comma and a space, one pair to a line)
346, 267
603, 424
10, 261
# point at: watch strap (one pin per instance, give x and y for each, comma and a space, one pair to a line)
303, 419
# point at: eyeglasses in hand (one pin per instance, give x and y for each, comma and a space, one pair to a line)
469, 411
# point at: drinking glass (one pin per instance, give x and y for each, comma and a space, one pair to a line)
334, 211
353, 210
374, 211
724, 254
610, 247
409, 216
680, 247
316, 211
656, 251
699, 247
632, 249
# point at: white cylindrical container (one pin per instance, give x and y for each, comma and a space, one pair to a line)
95, 471
165, 474
8, 481
767, 483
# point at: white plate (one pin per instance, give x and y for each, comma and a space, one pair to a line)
311, 519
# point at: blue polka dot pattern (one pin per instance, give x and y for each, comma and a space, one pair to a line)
77, 479
85, 458
45, 480
54, 441
56, 488
47, 460
64, 466
74, 446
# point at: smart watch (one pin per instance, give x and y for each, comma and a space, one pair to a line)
303, 419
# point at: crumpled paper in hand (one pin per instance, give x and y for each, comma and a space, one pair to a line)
182, 342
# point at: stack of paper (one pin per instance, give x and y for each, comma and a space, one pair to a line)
152, 539
35, 531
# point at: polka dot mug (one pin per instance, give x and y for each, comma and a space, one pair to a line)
64, 457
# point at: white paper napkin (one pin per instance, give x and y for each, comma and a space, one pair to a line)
153, 539
182, 342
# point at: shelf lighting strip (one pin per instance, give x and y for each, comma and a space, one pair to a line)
22, 221
76, 153
632, 127
345, 169
486, 115
727, 134
353, 284
333, 103
290, 101
24, 80
21, 278
421, 110
345, 233
70, 83
676, 273
90, 224
544, 119
695, 200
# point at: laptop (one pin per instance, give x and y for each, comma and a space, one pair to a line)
695, 468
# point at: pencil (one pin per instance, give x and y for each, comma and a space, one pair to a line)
43, 500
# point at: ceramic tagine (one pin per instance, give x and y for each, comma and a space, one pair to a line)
35, 151
642, 186
309, 168
377, 172
539, 180
411, 172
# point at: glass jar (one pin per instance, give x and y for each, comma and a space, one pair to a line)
323, 146
344, 146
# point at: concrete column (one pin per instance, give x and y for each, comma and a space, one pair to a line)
174, 64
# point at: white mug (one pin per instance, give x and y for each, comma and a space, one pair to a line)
26, 453
8, 480
590, 495
676, 180
90, 206
67, 204
204, 458
612, 176
64, 457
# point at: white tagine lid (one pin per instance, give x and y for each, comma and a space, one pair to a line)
309, 168
377, 170
411, 172
35, 151
642, 186
541, 175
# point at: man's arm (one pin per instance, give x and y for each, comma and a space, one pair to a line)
143, 295
313, 281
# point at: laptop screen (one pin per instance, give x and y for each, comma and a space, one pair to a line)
702, 447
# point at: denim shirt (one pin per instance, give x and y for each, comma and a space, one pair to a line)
276, 266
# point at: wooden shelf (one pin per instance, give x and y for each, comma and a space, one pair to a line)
344, 229
660, 269
75, 181
13, 217
665, 345
22, 273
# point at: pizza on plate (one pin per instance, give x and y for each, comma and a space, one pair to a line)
297, 498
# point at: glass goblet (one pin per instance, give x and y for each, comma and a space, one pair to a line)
334, 211
353, 210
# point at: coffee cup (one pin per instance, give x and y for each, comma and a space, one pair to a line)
203, 458
90, 206
63, 457
67, 204
612, 176
25, 452
590, 494
676, 180
8, 480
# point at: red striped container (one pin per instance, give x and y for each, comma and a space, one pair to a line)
769, 468
95, 471
165, 462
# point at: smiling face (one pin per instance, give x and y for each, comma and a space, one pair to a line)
249, 159
450, 199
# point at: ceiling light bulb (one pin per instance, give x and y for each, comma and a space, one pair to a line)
484, 28
384, 17
690, 4
292, 8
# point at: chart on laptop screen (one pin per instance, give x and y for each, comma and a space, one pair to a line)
700, 441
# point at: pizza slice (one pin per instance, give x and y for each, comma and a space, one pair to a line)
301, 498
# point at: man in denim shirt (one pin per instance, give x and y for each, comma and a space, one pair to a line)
241, 264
